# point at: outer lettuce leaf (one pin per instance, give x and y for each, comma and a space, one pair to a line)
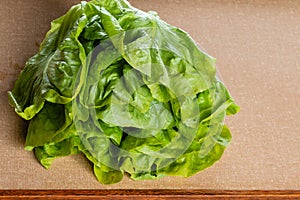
47, 153
132, 93
49, 75
55, 123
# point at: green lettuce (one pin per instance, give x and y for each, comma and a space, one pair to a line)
132, 93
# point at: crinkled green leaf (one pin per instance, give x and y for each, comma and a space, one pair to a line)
49, 75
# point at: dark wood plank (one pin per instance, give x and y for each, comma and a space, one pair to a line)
149, 194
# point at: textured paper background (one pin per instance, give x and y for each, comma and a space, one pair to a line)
257, 45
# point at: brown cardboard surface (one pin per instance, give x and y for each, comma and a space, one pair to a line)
257, 46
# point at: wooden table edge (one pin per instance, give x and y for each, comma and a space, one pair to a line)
149, 194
